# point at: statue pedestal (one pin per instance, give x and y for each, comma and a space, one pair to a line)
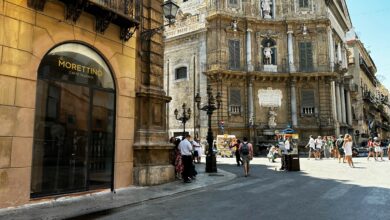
270, 68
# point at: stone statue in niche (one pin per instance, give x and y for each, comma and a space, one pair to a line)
272, 117
268, 54
266, 7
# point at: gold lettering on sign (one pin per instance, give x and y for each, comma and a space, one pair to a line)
80, 68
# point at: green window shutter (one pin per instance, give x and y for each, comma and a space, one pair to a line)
305, 56
309, 56
235, 97
234, 54
308, 98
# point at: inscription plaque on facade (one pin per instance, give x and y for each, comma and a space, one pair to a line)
270, 97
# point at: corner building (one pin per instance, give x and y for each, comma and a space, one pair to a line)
68, 99
278, 64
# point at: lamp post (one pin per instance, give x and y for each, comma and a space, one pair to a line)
170, 10
184, 118
210, 107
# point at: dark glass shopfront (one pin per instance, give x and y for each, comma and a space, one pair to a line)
74, 122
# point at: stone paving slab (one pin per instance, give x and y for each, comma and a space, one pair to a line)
72, 206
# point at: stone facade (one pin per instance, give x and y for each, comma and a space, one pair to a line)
370, 99
299, 81
185, 48
28, 30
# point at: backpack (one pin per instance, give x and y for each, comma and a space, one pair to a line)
340, 143
244, 149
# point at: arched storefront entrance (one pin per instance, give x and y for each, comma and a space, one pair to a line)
74, 127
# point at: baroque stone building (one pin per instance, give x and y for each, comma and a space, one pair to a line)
278, 64
82, 105
370, 99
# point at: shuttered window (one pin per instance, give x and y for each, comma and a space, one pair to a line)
303, 3
235, 101
233, 2
305, 57
181, 73
234, 54
308, 102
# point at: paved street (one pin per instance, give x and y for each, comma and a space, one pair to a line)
323, 189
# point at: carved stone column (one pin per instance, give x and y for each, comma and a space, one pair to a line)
339, 56
249, 50
338, 102
250, 99
343, 107
349, 107
152, 149
294, 118
331, 48
334, 106
290, 52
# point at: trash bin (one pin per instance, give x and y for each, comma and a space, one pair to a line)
293, 162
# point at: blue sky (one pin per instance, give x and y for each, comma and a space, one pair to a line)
371, 20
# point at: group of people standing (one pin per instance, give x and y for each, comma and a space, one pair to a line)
340, 148
375, 149
186, 153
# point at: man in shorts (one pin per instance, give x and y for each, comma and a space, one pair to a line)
246, 152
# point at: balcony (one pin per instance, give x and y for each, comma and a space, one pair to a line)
235, 109
119, 12
282, 67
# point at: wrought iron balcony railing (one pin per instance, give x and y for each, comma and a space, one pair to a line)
120, 12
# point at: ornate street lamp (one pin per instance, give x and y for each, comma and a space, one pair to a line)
184, 118
170, 10
210, 107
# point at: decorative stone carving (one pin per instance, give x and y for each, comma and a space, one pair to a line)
269, 97
272, 117
268, 54
266, 7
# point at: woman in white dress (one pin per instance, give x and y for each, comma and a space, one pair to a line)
348, 149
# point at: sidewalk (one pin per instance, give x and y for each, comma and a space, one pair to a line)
72, 206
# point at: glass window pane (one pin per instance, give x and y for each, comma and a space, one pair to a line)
102, 140
60, 140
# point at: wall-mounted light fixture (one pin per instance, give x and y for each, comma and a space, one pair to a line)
170, 10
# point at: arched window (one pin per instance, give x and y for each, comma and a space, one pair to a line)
74, 133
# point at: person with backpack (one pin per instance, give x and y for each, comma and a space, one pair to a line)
246, 153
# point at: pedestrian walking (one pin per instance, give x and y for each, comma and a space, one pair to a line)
246, 153
197, 151
186, 157
348, 149
311, 145
177, 157
339, 145
235, 144
378, 149
318, 148
285, 154
388, 151
371, 149
326, 147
